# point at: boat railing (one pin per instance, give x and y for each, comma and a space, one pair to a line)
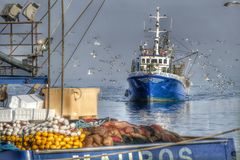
157, 72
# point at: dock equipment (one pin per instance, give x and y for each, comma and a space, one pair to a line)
23, 80
17, 67
14, 62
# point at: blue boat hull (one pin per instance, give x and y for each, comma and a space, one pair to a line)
155, 88
214, 149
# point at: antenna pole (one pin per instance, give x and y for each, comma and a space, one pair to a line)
171, 24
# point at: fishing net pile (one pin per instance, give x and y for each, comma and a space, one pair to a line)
121, 133
60, 133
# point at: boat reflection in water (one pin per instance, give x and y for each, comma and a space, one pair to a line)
166, 114
157, 106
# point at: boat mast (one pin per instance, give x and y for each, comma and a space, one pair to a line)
157, 38
158, 31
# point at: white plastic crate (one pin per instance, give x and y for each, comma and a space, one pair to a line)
6, 115
39, 101
14, 102
22, 114
40, 114
26, 101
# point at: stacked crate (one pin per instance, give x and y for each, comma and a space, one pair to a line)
25, 107
6, 115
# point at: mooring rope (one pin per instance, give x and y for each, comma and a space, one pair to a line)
155, 147
68, 31
59, 21
196, 56
79, 42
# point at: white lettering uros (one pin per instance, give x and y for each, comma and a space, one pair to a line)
120, 157
86, 157
147, 155
166, 152
185, 153
140, 155
130, 156
104, 157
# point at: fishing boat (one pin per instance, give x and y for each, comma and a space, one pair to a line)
209, 149
154, 75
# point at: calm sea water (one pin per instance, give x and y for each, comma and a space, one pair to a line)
200, 116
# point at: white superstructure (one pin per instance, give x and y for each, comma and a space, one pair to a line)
158, 58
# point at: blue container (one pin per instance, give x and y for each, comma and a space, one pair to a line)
212, 149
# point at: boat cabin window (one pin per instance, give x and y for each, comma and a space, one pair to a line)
143, 60
148, 60
164, 69
154, 60
160, 60
165, 61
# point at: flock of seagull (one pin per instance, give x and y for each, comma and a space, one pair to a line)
115, 64
111, 64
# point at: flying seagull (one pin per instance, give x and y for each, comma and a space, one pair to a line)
227, 4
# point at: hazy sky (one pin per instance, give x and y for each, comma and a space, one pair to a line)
108, 48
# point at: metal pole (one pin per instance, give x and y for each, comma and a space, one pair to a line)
36, 56
11, 43
32, 42
62, 81
11, 37
49, 56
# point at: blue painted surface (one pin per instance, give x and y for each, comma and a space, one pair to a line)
155, 88
16, 155
218, 149
23, 80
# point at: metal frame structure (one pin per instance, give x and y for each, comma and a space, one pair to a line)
11, 59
